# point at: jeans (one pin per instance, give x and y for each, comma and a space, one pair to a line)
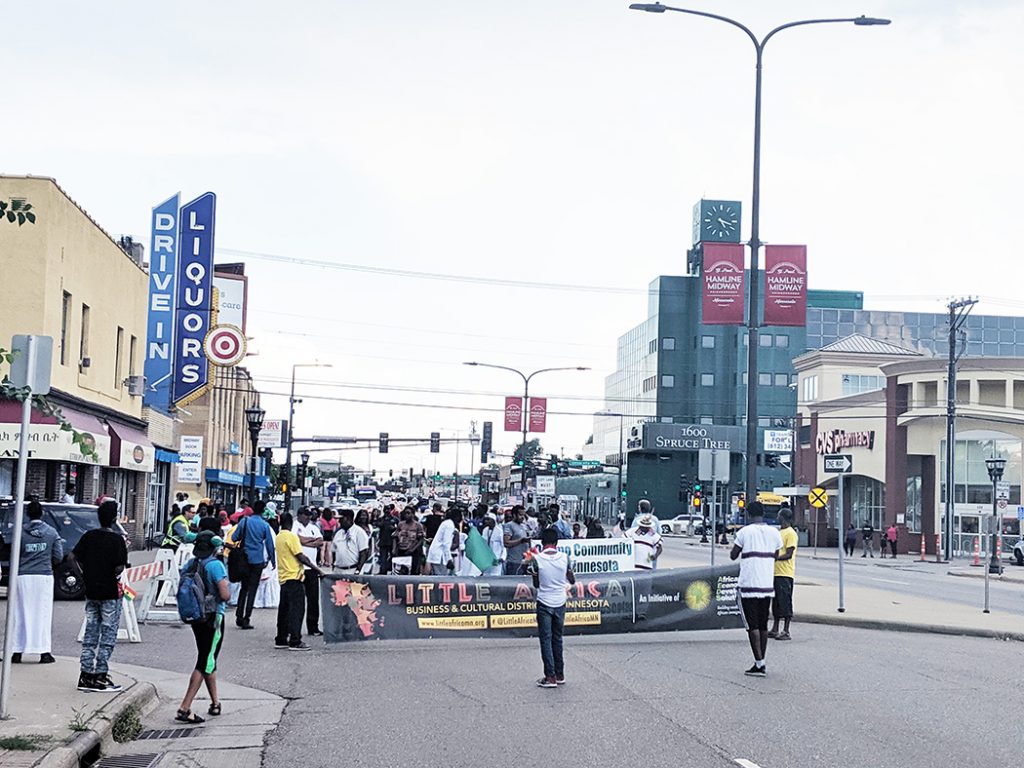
868, 549
247, 592
550, 622
102, 618
311, 586
514, 568
289, 613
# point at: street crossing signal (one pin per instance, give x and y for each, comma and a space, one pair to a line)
435, 442
382, 445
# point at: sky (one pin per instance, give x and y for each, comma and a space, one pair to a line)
560, 144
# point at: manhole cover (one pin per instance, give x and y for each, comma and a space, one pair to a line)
166, 733
128, 761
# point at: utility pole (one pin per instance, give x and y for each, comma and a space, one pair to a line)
959, 309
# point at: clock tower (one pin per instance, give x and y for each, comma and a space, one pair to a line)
716, 221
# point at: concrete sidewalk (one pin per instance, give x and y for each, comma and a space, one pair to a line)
61, 725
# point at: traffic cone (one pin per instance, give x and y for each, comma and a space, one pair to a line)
922, 548
938, 548
977, 550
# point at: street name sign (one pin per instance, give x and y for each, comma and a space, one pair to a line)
575, 463
839, 463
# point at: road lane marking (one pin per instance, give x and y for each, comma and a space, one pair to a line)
746, 763
892, 581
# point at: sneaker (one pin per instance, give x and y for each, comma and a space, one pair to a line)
87, 683
279, 644
15, 658
547, 682
46, 658
784, 636
299, 647
560, 679
106, 684
315, 633
756, 671
247, 625
773, 634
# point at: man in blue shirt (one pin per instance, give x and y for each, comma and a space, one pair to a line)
256, 538
41, 547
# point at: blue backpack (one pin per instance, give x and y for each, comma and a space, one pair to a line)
196, 604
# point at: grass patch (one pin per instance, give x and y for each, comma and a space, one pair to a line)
127, 725
24, 743
80, 720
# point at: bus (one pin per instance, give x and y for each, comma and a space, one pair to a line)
771, 502
365, 493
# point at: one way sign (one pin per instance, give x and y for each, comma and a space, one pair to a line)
839, 463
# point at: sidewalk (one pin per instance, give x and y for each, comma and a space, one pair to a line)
62, 724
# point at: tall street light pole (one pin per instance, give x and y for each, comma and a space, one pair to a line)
254, 418
755, 210
995, 468
526, 400
291, 432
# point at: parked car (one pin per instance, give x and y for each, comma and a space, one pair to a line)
680, 524
71, 521
1018, 552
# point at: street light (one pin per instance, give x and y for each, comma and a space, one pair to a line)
254, 418
995, 468
291, 432
304, 457
755, 205
526, 400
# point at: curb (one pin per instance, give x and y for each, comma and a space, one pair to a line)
931, 629
70, 754
981, 575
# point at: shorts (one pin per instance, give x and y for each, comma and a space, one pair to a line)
755, 612
328, 535
209, 638
782, 603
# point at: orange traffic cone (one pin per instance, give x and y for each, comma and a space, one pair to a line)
977, 550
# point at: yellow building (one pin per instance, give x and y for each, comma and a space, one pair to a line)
67, 278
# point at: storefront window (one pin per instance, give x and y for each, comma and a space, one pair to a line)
913, 517
973, 485
867, 501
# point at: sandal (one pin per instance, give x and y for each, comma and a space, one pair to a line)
214, 709
188, 716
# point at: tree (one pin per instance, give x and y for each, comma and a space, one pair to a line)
533, 450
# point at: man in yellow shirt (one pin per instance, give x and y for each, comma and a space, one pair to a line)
785, 574
291, 564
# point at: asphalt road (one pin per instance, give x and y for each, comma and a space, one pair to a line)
834, 697
904, 575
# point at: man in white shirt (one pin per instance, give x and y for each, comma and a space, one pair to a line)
646, 543
445, 546
351, 544
311, 538
552, 574
494, 535
757, 546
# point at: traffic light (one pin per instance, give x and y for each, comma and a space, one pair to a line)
520, 463
741, 500
485, 441
696, 502
391, 473
382, 445
284, 487
697, 494
553, 463
435, 442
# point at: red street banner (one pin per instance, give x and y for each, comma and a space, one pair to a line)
723, 283
785, 285
538, 413
513, 414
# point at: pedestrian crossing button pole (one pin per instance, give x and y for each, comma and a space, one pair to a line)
995, 468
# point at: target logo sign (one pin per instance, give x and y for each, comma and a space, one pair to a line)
225, 345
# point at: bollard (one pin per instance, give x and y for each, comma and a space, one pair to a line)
977, 550
922, 548
938, 548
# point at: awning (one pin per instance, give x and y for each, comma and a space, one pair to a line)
224, 477
130, 448
168, 457
46, 439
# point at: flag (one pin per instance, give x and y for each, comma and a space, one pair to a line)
478, 552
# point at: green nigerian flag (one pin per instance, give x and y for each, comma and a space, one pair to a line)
478, 552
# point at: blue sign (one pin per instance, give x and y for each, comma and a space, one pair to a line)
332, 490
163, 250
194, 305
224, 477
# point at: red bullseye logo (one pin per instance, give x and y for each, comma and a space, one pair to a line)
225, 345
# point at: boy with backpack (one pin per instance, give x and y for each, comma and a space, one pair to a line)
203, 593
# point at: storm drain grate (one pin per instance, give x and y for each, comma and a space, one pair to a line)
166, 733
129, 761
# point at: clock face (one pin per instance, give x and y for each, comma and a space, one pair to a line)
720, 221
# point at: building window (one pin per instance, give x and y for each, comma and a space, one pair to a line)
131, 356
65, 311
764, 421
652, 346
668, 343
707, 342
668, 380
707, 420
119, 359
744, 378
746, 339
764, 340
782, 340
764, 379
83, 343
810, 389
707, 379
781, 379
649, 383
854, 384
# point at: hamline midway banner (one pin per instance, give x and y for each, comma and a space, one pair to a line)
417, 607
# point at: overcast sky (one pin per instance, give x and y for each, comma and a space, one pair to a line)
560, 142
